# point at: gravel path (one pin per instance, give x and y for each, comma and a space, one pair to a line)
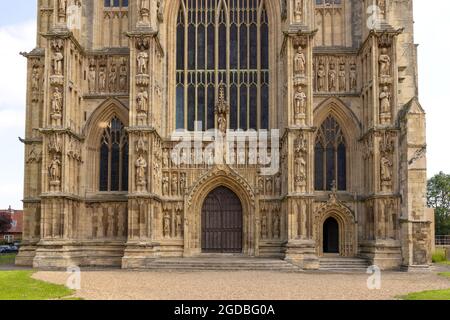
150, 285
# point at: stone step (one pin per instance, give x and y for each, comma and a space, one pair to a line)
217, 264
341, 264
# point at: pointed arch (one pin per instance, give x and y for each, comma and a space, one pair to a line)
345, 150
107, 148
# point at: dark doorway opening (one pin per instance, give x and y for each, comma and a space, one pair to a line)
222, 222
331, 236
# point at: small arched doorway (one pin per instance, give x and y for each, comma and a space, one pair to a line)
222, 222
331, 236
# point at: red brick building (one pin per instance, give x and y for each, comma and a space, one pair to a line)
15, 231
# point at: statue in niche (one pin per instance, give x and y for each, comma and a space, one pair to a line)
144, 10
342, 77
165, 183
386, 170
141, 167
299, 62
179, 223
264, 225
385, 105
182, 182
58, 58
159, 11
261, 185
142, 60
166, 224
123, 77
321, 77
57, 102
142, 101
332, 75
62, 9
276, 225
299, 106
353, 77
174, 184
298, 10
165, 158
278, 184
222, 109
382, 8
112, 78
300, 163
55, 170
35, 77
385, 63
92, 78
269, 186
102, 79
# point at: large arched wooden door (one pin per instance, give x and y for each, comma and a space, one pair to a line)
222, 222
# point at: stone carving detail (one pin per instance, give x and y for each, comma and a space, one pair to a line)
300, 160
298, 10
165, 184
142, 106
335, 73
222, 110
300, 106
385, 63
385, 106
264, 223
387, 148
62, 10
276, 222
144, 12
107, 75
56, 108
167, 224
54, 171
141, 173
179, 222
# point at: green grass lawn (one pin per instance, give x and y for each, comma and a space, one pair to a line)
18, 285
8, 258
432, 294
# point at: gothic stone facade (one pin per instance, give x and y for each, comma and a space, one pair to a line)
109, 81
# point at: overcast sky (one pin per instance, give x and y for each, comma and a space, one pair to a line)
17, 33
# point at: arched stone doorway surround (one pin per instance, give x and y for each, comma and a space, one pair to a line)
219, 176
347, 226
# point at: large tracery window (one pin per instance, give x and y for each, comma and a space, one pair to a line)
330, 157
114, 157
222, 41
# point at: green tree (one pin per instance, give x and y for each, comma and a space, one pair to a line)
438, 197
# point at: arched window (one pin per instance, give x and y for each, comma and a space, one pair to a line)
114, 157
330, 157
222, 41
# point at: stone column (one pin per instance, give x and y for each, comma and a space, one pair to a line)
297, 55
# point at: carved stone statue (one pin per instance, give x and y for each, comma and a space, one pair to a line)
141, 167
299, 106
300, 152
385, 105
62, 10
58, 58
166, 224
278, 184
182, 182
112, 78
332, 76
385, 63
222, 110
55, 170
35, 78
299, 62
386, 168
342, 77
56, 110
92, 77
179, 224
353, 77
298, 10
144, 10
123, 78
142, 101
165, 184
142, 61
174, 184
321, 77
102, 79
276, 225
264, 225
